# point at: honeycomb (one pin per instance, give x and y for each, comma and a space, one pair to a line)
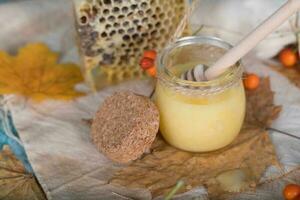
113, 34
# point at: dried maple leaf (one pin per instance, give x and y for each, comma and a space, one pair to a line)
15, 182
35, 73
261, 110
252, 151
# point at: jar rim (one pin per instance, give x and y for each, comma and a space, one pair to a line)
227, 79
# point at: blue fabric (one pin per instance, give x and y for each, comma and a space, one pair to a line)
9, 136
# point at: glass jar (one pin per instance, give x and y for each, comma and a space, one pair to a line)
198, 116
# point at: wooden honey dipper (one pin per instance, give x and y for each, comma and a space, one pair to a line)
244, 46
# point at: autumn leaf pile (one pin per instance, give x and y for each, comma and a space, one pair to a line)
36, 74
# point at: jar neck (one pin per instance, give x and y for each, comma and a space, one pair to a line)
228, 79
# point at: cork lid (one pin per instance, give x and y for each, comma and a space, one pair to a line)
125, 126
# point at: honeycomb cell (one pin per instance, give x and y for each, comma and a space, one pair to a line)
158, 25
102, 20
118, 1
107, 1
113, 32
141, 13
121, 16
116, 10
83, 20
130, 14
135, 36
100, 50
107, 58
145, 20
126, 37
105, 11
124, 57
116, 25
121, 31
111, 18
161, 16
94, 10
130, 30
126, 23
145, 34
133, 6
162, 31
144, 5
149, 12
140, 41
136, 21
124, 10
104, 34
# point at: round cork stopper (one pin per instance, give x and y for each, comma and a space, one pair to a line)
125, 126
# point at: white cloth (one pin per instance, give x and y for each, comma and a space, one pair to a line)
57, 140
69, 167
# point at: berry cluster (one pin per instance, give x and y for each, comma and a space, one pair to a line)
147, 62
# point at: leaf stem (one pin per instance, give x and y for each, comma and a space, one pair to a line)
178, 185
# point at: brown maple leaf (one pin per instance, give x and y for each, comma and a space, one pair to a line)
252, 151
261, 110
35, 73
15, 182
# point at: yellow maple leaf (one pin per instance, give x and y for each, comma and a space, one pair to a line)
35, 73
